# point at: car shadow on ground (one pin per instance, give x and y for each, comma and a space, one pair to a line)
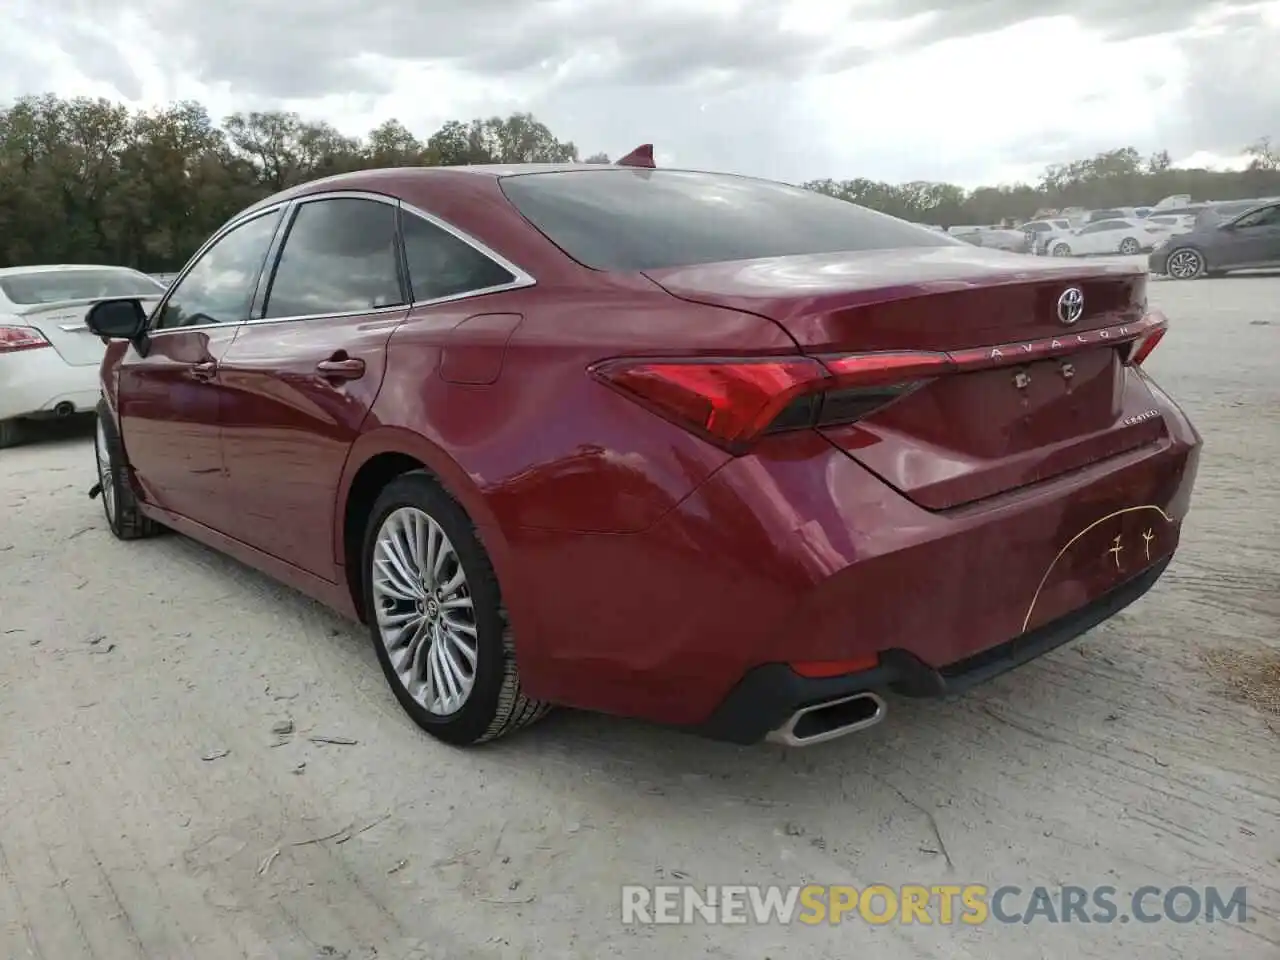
49, 433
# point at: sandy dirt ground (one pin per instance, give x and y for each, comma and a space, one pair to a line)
147, 808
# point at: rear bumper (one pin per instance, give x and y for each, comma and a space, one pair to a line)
34, 382
769, 694
797, 553
1158, 261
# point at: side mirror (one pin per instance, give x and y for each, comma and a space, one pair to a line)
117, 319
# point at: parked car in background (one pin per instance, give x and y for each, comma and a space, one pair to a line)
1249, 241
1166, 204
1014, 241
1111, 213
1176, 222
963, 229
1039, 233
48, 358
659, 443
1109, 236
164, 278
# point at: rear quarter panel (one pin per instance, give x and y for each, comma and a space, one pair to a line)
546, 444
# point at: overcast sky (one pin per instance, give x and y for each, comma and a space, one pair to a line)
970, 91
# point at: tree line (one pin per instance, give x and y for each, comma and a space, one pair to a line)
92, 181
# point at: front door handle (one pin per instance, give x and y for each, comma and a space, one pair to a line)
205, 370
349, 368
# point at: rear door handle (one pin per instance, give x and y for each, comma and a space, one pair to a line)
205, 370
350, 368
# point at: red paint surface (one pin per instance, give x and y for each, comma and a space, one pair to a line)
644, 568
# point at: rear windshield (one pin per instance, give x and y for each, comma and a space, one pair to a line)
52, 286
624, 219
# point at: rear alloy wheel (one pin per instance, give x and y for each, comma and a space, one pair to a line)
1061, 250
1129, 246
436, 616
1184, 264
118, 502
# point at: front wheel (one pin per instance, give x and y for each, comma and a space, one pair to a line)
1184, 264
1061, 250
1129, 246
118, 502
437, 619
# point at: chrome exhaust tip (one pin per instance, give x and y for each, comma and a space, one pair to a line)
829, 720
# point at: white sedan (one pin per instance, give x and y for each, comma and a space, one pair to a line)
1125, 236
48, 358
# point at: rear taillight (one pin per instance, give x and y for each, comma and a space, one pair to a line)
13, 339
1141, 348
732, 402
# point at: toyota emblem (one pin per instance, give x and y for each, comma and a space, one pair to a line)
1071, 305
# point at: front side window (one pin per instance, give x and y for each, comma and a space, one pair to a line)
219, 288
339, 257
442, 265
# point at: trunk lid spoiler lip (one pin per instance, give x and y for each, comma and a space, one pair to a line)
35, 309
799, 293
873, 276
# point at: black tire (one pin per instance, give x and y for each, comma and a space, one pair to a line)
1061, 250
1129, 246
119, 503
496, 705
12, 433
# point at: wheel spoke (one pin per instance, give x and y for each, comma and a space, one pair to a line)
400, 557
465, 646
444, 552
391, 584
444, 674
457, 580
461, 626
432, 551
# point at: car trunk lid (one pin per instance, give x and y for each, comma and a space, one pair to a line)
62, 324
1027, 395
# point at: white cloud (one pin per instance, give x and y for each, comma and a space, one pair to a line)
794, 89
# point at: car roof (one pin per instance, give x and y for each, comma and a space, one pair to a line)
394, 179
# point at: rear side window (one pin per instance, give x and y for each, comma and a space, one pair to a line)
442, 265
623, 219
339, 257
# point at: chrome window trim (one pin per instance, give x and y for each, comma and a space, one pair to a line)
522, 277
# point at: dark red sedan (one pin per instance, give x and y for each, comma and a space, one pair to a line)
707, 450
